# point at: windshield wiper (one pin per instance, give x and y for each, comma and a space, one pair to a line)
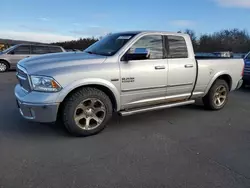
89, 52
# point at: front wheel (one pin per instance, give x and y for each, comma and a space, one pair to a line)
217, 96
86, 112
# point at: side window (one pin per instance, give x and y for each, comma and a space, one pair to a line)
22, 50
177, 47
54, 49
39, 49
153, 43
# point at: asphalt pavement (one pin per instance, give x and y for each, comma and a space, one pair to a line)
179, 147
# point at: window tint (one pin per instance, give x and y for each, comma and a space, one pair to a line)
177, 47
25, 49
153, 43
39, 49
54, 49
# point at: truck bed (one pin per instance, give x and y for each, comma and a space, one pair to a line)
210, 68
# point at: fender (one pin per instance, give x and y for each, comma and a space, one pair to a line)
215, 77
89, 81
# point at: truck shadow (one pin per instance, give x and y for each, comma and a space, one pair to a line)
244, 89
18, 126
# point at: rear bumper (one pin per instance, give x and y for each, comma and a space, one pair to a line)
38, 111
240, 82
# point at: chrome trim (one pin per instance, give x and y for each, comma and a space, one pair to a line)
161, 98
240, 83
136, 111
24, 90
189, 66
26, 117
143, 88
22, 78
159, 67
22, 69
198, 93
184, 84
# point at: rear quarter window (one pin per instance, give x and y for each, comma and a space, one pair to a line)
39, 49
177, 47
54, 49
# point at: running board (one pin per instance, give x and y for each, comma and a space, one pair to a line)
152, 108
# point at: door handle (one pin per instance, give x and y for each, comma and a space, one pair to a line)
159, 67
189, 66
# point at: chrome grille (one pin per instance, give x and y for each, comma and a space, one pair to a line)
23, 79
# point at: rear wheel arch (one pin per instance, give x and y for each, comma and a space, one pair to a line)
226, 77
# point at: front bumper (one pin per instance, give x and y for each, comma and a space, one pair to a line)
38, 110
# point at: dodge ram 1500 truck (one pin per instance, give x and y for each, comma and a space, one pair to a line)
128, 73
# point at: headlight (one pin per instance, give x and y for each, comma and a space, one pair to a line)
44, 83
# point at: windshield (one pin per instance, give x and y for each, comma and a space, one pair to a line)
8, 49
110, 44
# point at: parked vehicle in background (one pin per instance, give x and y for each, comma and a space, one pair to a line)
223, 54
246, 75
128, 73
10, 57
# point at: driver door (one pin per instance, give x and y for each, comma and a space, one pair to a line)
144, 82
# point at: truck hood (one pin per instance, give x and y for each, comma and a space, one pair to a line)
47, 62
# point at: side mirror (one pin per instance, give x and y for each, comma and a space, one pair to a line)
137, 54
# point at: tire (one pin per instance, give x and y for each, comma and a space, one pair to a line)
4, 66
219, 89
86, 112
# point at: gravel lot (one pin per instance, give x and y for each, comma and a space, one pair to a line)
179, 147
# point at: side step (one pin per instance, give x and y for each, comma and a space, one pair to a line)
152, 108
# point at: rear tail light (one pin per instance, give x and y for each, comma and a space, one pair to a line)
242, 73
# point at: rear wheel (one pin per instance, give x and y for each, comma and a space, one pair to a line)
3, 66
217, 96
86, 112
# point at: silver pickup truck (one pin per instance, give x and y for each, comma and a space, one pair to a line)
128, 73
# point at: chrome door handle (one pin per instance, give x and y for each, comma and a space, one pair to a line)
189, 66
159, 67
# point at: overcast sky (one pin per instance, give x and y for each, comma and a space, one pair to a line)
59, 20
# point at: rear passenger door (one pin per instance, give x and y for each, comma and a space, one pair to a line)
181, 67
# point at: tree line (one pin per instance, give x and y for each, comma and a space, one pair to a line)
234, 40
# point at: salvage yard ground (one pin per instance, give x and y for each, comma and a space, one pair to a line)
179, 147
